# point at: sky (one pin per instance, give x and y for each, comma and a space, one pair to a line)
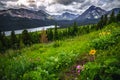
55, 7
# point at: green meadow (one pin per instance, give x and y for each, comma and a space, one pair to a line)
57, 60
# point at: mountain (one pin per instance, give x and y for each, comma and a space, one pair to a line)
13, 19
65, 16
92, 12
116, 11
25, 13
8, 23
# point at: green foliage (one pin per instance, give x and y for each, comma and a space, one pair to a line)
49, 61
74, 29
14, 40
56, 44
21, 44
56, 37
26, 38
106, 65
105, 20
35, 37
112, 17
118, 17
101, 23
50, 34
106, 39
1, 46
4, 42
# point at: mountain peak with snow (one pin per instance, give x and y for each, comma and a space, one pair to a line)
92, 12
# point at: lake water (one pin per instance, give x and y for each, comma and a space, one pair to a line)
7, 33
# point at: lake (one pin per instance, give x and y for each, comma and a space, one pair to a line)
7, 33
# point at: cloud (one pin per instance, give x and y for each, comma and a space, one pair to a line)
1, 5
59, 6
67, 2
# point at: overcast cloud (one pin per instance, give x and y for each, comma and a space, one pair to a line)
59, 6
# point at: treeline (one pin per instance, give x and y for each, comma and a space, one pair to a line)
105, 20
28, 38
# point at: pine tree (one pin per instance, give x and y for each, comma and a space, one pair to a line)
43, 38
14, 41
69, 31
61, 35
1, 47
75, 28
112, 17
35, 37
118, 17
4, 41
56, 33
50, 34
0, 35
26, 38
100, 23
105, 20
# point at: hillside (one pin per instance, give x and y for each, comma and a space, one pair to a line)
58, 60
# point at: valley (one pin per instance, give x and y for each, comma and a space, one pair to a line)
59, 40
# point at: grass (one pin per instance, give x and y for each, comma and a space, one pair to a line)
52, 61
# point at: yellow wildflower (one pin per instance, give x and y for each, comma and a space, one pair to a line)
92, 52
103, 33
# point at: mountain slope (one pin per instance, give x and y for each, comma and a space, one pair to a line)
16, 23
92, 12
116, 11
25, 13
13, 19
65, 16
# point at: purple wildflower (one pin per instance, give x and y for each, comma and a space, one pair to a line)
78, 67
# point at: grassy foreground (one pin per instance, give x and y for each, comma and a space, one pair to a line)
58, 60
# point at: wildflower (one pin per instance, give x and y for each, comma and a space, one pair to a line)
92, 52
78, 71
78, 67
103, 33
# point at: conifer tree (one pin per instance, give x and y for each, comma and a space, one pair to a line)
56, 33
4, 40
0, 35
13, 40
75, 28
105, 20
100, 23
69, 31
112, 17
1, 47
1, 44
118, 17
26, 38
50, 34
